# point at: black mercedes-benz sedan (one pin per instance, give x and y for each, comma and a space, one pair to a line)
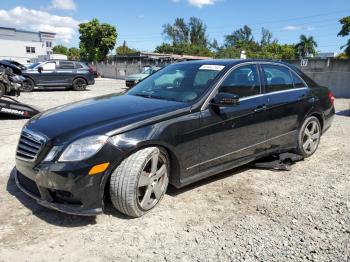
185, 122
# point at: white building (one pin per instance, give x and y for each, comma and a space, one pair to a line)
24, 46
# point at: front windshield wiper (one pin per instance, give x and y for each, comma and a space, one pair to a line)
148, 95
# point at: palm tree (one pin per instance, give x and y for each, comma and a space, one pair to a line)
306, 46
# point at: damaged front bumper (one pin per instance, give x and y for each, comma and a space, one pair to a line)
65, 208
70, 191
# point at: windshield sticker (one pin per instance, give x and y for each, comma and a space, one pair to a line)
212, 67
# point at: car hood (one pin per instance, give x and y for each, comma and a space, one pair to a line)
136, 76
101, 115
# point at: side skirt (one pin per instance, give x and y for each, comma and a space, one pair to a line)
228, 166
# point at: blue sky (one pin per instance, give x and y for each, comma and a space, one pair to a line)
139, 22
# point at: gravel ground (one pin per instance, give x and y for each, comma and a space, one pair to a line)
244, 214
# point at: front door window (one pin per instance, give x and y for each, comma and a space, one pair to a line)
243, 81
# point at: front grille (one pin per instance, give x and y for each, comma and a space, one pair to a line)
29, 146
28, 184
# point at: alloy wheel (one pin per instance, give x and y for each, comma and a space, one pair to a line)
153, 181
79, 84
311, 137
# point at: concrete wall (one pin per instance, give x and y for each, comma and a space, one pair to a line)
332, 73
121, 69
118, 70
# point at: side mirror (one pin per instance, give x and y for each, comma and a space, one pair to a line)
40, 68
225, 99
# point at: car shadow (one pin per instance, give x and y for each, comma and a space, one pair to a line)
50, 216
343, 113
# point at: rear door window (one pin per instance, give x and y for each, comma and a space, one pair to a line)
66, 65
243, 81
298, 83
277, 78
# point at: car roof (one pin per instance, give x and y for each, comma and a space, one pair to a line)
60, 60
229, 62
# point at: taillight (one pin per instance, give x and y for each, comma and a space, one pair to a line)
91, 69
331, 97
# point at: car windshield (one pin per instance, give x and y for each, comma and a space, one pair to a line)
33, 65
147, 71
178, 82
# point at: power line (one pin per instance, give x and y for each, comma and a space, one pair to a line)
267, 22
318, 24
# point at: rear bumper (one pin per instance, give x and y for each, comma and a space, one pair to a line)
328, 119
91, 81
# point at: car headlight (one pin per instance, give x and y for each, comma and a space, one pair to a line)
83, 148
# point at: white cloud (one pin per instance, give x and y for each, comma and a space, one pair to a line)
199, 3
291, 28
30, 19
294, 28
63, 4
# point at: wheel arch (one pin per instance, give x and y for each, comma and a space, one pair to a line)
79, 76
175, 166
319, 116
30, 77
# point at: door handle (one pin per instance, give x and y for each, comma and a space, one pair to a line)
260, 108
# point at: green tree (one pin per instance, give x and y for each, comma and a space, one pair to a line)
266, 37
198, 34
345, 31
240, 37
177, 33
186, 38
183, 49
267, 47
228, 52
306, 46
60, 49
73, 54
96, 40
125, 50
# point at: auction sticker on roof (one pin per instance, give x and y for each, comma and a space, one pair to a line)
212, 67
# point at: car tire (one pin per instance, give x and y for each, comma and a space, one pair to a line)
2, 90
139, 183
79, 84
309, 137
28, 85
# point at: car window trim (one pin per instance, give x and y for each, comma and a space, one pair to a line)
218, 84
282, 65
